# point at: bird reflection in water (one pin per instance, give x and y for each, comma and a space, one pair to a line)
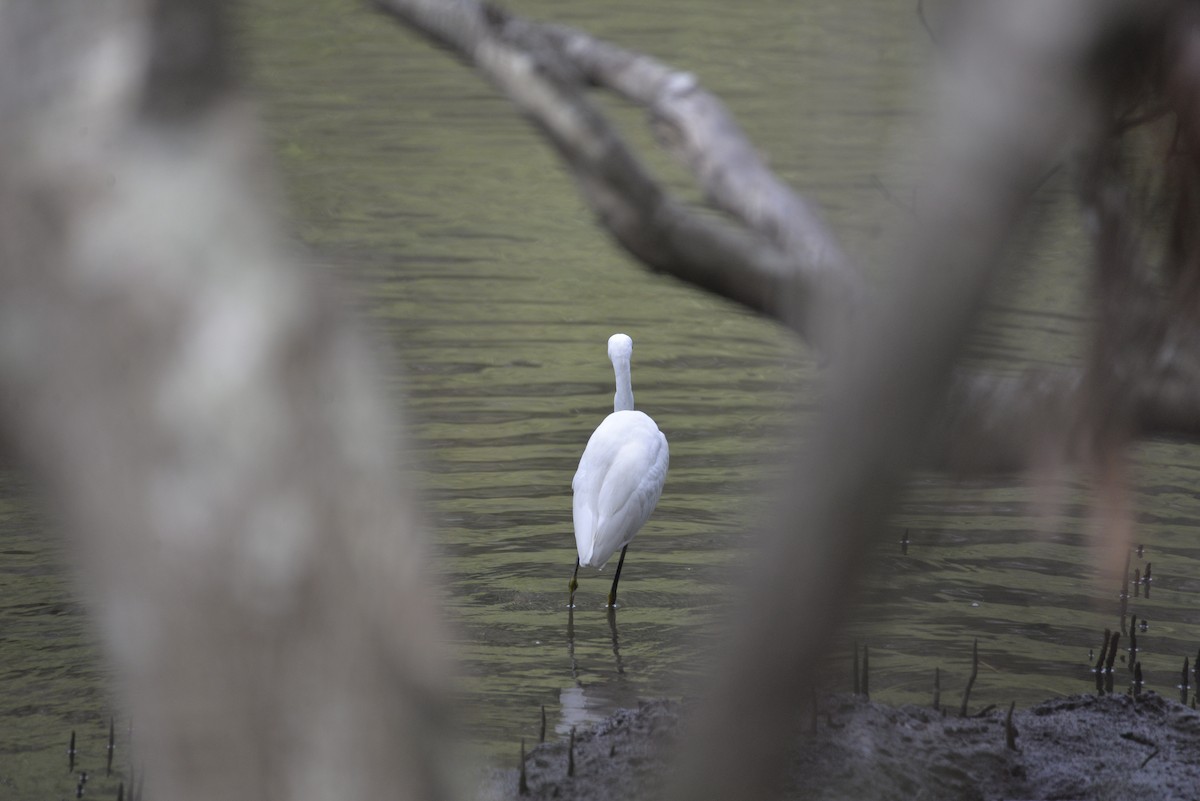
613, 634
581, 704
616, 641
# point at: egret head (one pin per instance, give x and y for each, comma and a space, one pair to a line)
620, 346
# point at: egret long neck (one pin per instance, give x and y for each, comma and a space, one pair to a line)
623, 400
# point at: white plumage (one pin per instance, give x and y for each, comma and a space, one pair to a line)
619, 480
620, 475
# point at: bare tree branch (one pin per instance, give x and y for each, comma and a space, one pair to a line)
992, 423
995, 423
781, 260
777, 256
696, 126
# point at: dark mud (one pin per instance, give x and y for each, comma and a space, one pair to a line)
1082, 747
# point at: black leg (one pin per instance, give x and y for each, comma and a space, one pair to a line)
612, 594
575, 584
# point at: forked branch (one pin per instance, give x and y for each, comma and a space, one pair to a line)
772, 252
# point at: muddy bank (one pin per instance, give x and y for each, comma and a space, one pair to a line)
1081, 747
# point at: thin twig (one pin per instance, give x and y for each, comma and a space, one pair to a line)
962, 710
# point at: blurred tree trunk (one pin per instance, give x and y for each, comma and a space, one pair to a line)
209, 423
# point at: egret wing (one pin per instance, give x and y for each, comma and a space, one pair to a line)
619, 481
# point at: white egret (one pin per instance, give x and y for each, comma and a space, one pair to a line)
620, 476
